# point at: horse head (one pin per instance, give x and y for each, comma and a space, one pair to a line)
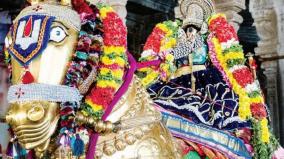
41, 43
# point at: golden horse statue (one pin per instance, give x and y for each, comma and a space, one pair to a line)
61, 52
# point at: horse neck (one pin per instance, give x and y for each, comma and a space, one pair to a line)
135, 102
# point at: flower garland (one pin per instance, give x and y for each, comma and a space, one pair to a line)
158, 47
227, 55
112, 63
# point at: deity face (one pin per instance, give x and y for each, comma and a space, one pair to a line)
190, 33
34, 122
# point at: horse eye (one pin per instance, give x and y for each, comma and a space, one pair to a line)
57, 34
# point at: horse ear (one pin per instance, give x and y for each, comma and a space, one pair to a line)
66, 2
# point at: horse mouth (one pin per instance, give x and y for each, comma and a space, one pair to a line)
30, 136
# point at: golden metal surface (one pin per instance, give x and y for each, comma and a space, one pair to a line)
33, 133
151, 141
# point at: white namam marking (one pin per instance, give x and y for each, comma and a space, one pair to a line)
25, 42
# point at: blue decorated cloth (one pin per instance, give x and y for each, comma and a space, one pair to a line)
30, 36
213, 104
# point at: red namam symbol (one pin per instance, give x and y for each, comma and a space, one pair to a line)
28, 27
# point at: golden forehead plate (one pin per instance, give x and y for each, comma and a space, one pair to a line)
206, 5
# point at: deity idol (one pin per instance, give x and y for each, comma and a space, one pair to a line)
210, 100
74, 93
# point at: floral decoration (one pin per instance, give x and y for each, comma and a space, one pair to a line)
227, 55
158, 47
112, 61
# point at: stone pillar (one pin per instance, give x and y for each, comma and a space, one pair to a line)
272, 94
118, 5
265, 21
278, 5
231, 9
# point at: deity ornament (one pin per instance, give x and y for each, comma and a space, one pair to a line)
210, 100
74, 92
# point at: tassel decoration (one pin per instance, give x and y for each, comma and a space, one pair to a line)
78, 146
28, 78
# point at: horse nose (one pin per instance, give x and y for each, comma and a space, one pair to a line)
15, 118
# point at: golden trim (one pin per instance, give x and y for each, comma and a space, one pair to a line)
187, 70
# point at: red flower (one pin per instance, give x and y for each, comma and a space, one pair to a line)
223, 30
114, 31
102, 96
258, 110
82, 7
243, 76
154, 40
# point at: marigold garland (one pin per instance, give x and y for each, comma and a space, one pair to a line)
113, 60
226, 54
158, 47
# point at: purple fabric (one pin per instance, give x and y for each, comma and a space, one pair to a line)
128, 78
148, 63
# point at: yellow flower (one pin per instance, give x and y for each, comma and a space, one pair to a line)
117, 50
117, 60
93, 105
163, 27
150, 77
264, 131
215, 16
107, 83
234, 55
118, 73
120, 61
145, 69
170, 57
258, 99
107, 61
169, 32
104, 11
104, 71
168, 43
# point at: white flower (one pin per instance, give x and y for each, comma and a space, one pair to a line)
252, 87
236, 67
229, 43
147, 53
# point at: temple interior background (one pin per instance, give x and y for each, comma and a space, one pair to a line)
260, 25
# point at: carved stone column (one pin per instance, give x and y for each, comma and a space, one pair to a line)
118, 5
265, 21
278, 5
231, 9
272, 95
